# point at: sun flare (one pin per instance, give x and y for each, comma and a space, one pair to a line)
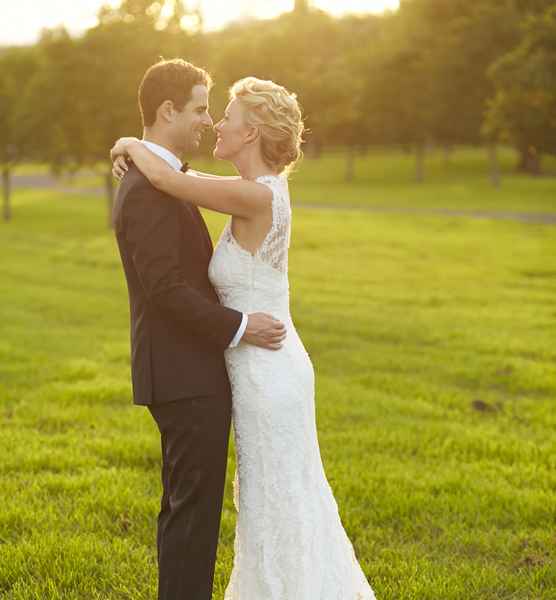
23, 20
217, 14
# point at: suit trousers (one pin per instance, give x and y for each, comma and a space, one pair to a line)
194, 439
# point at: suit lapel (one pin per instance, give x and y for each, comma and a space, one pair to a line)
197, 218
204, 229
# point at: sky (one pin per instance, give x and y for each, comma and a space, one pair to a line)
22, 20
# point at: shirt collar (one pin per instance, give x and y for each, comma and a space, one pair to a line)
164, 153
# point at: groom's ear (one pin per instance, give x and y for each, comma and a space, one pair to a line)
166, 111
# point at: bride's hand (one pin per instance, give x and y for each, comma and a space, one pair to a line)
120, 147
119, 167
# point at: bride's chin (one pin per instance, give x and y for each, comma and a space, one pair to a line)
217, 153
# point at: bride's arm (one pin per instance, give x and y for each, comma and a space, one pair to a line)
236, 197
120, 166
212, 176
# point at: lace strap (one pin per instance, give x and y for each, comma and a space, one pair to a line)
274, 249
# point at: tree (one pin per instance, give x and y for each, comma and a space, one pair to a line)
16, 107
397, 92
301, 7
343, 106
468, 38
328, 83
138, 33
90, 83
523, 109
426, 75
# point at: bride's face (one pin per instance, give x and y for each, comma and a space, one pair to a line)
232, 132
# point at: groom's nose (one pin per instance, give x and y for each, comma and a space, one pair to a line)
207, 121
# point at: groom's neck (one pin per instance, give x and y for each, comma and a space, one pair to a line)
157, 137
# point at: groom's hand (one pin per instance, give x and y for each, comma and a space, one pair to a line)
264, 331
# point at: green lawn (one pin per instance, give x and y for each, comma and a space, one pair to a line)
386, 179
434, 342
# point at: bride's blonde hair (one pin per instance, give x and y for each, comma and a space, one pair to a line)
276, 113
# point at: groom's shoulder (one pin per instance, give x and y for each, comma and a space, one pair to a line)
135, 182
136, 188
138, 199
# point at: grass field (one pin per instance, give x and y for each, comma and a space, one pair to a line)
434, 342
386, 179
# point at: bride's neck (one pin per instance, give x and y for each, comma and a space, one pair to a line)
251, 167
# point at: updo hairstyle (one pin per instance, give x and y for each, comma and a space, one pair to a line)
276, 113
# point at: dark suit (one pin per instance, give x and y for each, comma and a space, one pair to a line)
178, 334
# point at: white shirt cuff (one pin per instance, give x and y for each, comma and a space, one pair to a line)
240, 332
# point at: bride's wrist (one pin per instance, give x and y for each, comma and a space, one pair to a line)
127, 146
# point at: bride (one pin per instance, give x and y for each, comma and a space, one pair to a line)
290, 543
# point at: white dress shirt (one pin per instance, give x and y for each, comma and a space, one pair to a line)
176, 164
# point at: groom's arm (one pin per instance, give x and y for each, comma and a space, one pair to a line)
152, 228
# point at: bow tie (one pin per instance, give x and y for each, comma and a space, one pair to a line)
184, 167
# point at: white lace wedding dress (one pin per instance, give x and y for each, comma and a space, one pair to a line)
290, 543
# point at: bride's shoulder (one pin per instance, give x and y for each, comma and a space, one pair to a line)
271, 178
281, 208
278, 183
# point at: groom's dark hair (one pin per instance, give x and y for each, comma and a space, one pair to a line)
168, 80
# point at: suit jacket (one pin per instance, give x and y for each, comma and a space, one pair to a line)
179, 331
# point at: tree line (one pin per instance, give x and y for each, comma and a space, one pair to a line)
432, 72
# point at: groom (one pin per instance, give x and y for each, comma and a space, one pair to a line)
179, 332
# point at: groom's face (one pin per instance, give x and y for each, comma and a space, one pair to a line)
190, 124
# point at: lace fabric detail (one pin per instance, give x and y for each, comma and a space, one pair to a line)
290, 543
274, 249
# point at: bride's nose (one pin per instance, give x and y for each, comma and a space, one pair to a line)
207, 121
